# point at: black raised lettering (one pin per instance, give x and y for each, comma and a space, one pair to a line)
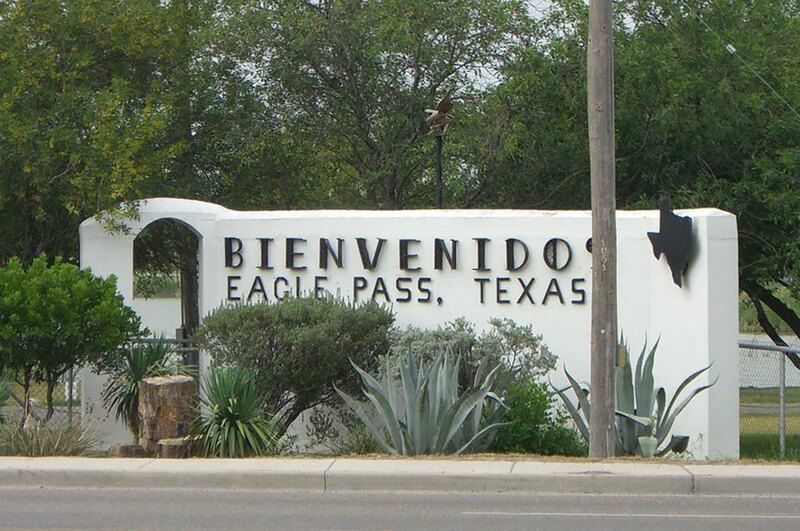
406, 255
481, 266
557, 254
369, 263
380, 289
326, 251
232, 288
577, 290
282, 295
233, 253
257, 287
482, 282
319, 291
440, 253
526, 290
292, 254
500, 291
553, 289
423, 289
359, 284
511, 254
264, 263
400, 284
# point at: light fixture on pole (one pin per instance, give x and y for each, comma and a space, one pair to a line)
439, 119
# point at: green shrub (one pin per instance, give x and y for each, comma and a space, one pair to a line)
518, 349
297, 349
231, 421
533, 425
45, 441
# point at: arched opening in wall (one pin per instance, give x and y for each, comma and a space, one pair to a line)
166, 279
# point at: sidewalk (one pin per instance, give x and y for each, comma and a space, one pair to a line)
343, 474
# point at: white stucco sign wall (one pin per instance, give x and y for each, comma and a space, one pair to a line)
434, 266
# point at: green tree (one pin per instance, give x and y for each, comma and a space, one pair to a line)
720, 128
693, 119
55, 317
103, 102
353, 78
80, 125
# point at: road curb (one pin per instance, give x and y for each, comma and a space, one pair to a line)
334, 475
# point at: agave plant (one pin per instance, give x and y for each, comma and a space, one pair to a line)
425, 414
143, 360
231, 420
640, 406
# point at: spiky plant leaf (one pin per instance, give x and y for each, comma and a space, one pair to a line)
431, 416
374, 430
580, 422
645, 381
230, 420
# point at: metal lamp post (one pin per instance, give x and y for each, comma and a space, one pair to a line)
439, 119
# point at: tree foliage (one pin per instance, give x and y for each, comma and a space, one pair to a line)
710, 124
320, 103
55, 317
103, 102
354, 77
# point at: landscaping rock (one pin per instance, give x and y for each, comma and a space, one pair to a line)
173, 448
165, 409
126, 450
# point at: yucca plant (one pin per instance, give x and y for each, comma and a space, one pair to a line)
640, 406
41, 440
423, 413
142, 360
231, 421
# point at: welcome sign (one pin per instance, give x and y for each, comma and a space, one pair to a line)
434, 266
295, 266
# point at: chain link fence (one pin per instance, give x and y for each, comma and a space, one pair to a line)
769, 400
66, 401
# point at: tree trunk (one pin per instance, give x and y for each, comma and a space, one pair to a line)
51, 385
758, 294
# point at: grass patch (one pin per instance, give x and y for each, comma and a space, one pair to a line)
767, 424
759, 436
767, 446
768, 395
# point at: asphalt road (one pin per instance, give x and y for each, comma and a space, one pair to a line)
50, 508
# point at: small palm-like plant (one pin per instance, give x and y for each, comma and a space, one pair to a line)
231, 421
425, 414
142, 360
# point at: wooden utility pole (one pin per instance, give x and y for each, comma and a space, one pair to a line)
600, 60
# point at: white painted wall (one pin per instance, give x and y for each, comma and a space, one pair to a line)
697, 325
